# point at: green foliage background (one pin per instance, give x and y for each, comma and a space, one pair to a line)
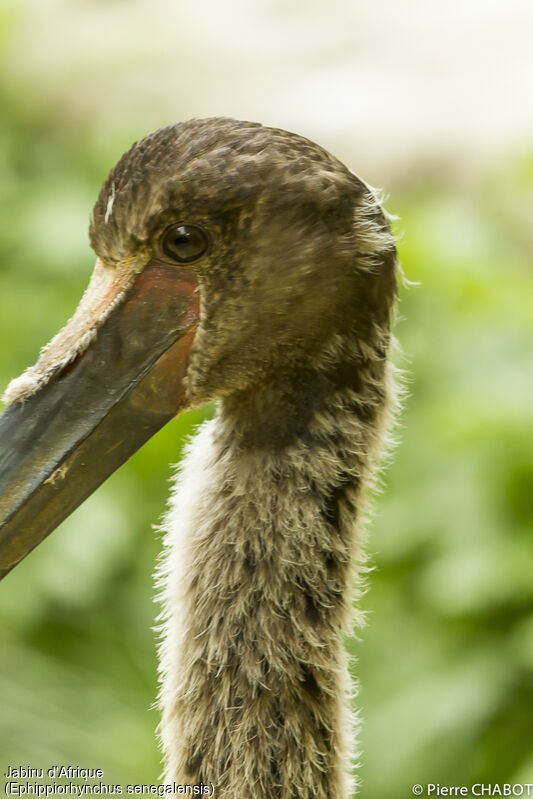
446, 661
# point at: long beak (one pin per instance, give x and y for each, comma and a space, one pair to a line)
110, 380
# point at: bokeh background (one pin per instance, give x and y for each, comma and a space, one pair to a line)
431, 101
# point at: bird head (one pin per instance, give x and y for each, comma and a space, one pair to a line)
228, 254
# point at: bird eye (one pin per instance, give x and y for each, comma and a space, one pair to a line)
184, 243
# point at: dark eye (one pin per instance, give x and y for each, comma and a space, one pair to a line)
184, 243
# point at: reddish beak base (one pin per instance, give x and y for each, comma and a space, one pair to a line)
58, 445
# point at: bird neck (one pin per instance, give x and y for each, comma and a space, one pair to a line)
263, 545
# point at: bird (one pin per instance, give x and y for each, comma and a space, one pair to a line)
246, 265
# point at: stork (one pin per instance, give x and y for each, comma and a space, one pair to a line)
242, 264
